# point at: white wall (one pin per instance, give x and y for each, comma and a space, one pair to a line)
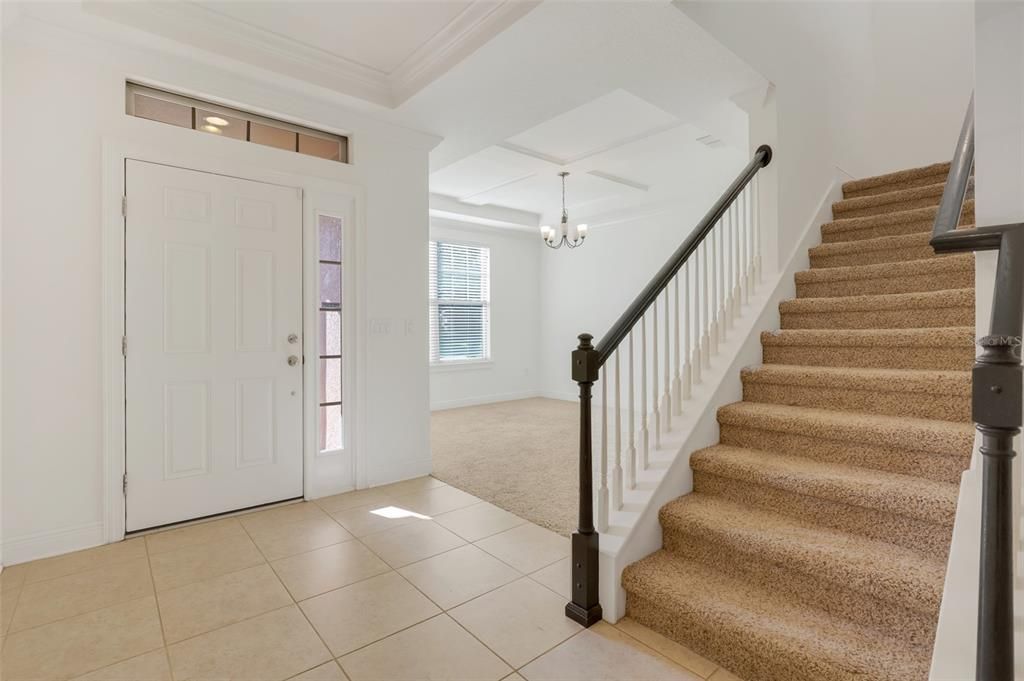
514, 369
63, 95
870, 87
586, 289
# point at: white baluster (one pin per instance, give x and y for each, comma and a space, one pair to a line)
666, 404
655, 397
757, 228
645, 436
687, 312
631, 454
705, 339
617, 469
745, 272
723, 323
712, 248
677, 380
736, 302
696, 362
602, 492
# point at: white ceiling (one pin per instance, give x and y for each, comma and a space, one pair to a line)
616, 93
379, 35
380, 51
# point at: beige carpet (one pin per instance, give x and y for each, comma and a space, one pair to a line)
814, 545
521, 456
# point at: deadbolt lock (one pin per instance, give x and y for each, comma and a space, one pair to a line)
293, 338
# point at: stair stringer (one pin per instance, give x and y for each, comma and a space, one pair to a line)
635, 531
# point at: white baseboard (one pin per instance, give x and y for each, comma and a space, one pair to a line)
567, 396
483, 399
53, 543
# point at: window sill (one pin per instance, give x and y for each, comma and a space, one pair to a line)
462, 365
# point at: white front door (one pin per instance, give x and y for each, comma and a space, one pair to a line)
213, 323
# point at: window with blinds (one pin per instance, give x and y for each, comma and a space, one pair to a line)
460, 282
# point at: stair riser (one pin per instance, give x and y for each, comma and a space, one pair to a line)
808, 589
943, 468
881, 319
939, 358
910, 402
939, 281
839, 232
841, 212
876, 257
730, 647
913, 533
885, 188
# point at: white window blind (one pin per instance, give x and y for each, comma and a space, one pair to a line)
460, 282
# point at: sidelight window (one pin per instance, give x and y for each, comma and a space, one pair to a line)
329, 369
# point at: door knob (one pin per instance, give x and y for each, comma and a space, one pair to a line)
292, 360
293, 338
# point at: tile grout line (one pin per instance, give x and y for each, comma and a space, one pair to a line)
294, 602
159, 615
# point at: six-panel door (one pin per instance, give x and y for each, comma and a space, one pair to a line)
213, 290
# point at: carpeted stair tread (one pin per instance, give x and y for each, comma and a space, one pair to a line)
946, 348
901, 199
930, 436
916, 309
878, 184
761, 635
889, 224
931, 394
872, 251
873, 568
902, 495
933, 274
950, 263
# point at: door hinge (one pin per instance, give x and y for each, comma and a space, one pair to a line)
124, 485
124, 346
124, 206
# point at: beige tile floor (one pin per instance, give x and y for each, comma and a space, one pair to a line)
415, 580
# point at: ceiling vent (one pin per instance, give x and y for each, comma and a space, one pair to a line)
711, 141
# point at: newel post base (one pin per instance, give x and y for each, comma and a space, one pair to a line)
584, 607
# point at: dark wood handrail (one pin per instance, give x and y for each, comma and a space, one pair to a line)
621, 328
947, 219
587, 360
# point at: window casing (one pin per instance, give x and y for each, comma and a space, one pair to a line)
460, 301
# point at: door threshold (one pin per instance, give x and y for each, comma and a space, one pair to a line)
215, 516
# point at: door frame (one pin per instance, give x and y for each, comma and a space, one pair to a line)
325, 189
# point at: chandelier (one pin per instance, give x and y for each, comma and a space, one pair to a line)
564, 235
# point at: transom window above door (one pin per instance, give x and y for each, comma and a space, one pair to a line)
214, 119
460, 283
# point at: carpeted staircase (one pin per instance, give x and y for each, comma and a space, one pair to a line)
814, 545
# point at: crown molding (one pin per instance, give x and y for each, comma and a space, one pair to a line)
471, 29
212, 31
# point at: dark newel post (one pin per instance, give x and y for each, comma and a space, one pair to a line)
996, 406
584, 607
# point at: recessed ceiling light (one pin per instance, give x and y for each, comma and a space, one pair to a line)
216, 120
210, 128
